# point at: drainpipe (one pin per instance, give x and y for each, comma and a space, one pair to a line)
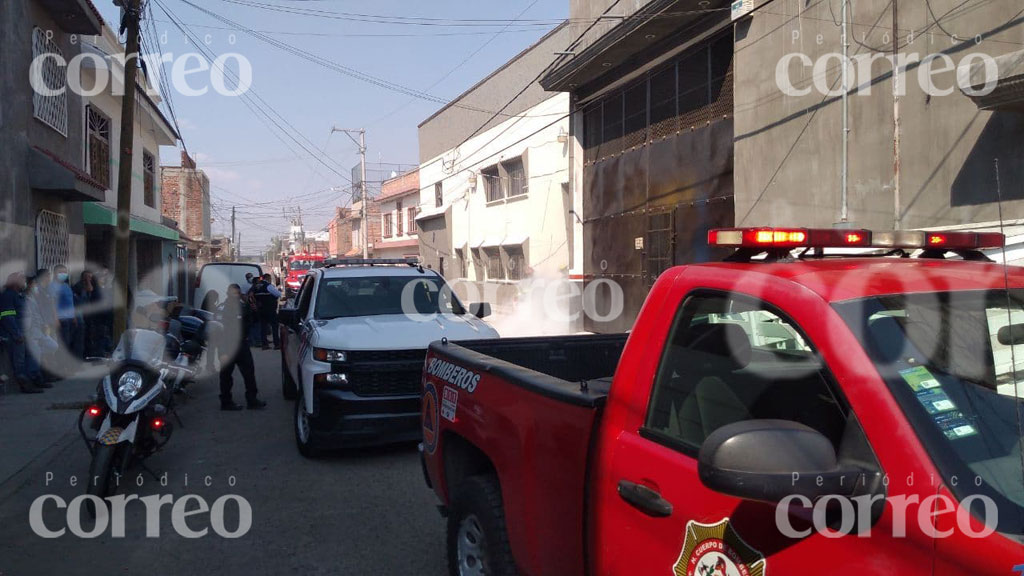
897, 211
844, 186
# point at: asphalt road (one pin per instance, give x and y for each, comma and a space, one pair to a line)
365, 512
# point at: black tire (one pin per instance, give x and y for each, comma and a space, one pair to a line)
307, 443
477, 536
288, 389
106, 462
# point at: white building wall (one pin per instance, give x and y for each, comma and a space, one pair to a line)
539, 217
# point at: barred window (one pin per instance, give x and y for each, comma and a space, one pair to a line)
495, 267
52, 239
516, 178
413, 226
49, 83
516, 262
691, 91
478, 263
398, 219
387, 225
439, 194
461, 255
492, 183
97, 144
148, 179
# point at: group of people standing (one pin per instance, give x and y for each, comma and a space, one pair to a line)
42, 313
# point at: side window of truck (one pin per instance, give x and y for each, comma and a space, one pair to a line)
729, 359
305, 295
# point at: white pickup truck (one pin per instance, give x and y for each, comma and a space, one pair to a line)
353, 347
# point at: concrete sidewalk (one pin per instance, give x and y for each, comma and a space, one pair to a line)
36, 428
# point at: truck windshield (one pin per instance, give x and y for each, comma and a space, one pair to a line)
955, 363
382, 295
305, 264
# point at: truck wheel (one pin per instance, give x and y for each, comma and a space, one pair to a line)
288, 389
305, 438
477, 538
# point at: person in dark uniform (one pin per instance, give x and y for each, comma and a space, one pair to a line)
267, 296
237, 317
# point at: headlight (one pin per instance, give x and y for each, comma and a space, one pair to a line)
323, 355
128, 385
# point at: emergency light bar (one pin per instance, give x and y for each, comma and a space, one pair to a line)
370, 262
772, 238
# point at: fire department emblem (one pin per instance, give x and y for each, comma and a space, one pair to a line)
430, 418
717, 550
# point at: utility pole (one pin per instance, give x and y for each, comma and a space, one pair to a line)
122, 245
233, 233
362, 184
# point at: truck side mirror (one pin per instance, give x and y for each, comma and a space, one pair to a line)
768, 460
480, 309
287, 316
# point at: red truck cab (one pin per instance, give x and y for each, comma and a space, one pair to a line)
785, 411
298, 266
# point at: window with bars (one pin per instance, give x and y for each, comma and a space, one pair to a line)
387, 225
478, 263
149, 179
492, 183
690, 91
49, 83
97, 144
660, 246
398, 219
413, 226
439, 194
52, 239
495, 267
463, 268
516, 262
515, 177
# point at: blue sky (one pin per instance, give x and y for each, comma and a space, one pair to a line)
251, 168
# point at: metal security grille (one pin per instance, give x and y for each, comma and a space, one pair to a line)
516, 177
689, 93
51, 239
660, 245
51, 109
495, 267
149, 179
516, 262
98, 157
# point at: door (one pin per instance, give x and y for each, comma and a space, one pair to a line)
728, 358
296, 338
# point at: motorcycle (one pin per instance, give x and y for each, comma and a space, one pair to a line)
128, 418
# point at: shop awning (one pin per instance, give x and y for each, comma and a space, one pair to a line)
48, 172
1009, 90
98, 215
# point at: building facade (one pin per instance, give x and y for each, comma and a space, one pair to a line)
399, 205
497, 204
153, 241
685, 120
42, 134
185, 193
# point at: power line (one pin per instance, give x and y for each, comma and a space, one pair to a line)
255, 103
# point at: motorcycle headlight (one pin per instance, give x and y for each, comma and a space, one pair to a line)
128, 385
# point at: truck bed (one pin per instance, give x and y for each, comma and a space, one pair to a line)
573, 369
529, 418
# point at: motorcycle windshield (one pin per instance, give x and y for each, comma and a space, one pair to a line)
143, 346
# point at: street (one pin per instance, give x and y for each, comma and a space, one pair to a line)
364, 512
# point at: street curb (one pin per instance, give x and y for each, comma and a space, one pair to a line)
36, 467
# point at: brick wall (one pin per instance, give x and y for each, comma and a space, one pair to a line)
404, 183
186, 198
341, 232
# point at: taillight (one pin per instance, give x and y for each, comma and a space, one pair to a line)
94, 411
157, 423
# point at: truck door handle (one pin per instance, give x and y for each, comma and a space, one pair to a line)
644, 499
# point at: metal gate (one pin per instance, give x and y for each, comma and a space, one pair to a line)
52, 241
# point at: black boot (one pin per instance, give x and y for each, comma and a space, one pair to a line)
256, 404
27, 387
230, 406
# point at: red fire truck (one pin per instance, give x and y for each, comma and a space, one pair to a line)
788, 411
296, 268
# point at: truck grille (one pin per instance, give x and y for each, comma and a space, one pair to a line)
386, 372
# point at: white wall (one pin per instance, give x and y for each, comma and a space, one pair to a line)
540, 215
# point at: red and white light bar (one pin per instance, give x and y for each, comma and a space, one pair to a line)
840, 238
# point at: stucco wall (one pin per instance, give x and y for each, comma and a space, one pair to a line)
788, 148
